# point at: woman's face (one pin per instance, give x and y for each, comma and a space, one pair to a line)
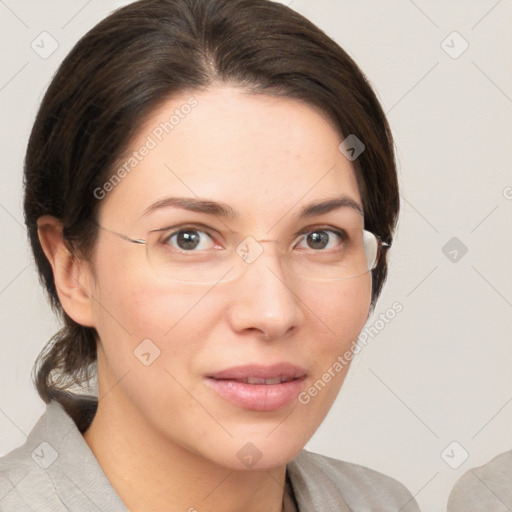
181, 354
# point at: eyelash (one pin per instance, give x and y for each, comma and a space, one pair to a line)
342, 234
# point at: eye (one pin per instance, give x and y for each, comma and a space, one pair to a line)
320, 239
189, 239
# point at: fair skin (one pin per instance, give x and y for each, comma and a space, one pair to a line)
164, 438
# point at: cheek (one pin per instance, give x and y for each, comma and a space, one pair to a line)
342, 313
150, 333
343, 310
137, 313
129, 298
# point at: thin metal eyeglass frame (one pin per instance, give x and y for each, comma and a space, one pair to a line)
382, 244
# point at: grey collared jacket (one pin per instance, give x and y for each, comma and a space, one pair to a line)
55, 471
487, 488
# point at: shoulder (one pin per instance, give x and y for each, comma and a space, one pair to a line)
13, 470
359, 487
31, 473
486, 487
24, 484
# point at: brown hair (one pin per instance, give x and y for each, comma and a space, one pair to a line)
136, 59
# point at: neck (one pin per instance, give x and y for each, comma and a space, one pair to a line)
151, 472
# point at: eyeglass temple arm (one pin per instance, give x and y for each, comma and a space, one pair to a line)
124, 237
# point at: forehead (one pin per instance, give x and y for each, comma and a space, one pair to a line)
262, 155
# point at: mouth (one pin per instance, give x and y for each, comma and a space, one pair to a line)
260, 374
260, 380
257, 387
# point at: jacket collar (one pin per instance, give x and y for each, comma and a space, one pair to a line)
57, 445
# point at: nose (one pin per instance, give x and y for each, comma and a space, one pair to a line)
264, 299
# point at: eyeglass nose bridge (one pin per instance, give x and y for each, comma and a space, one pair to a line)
250, 249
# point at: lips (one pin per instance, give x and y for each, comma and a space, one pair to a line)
258, 387
283, 371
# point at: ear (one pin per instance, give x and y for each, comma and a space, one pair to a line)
72, 276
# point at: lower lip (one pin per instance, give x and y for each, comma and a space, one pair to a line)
258, 397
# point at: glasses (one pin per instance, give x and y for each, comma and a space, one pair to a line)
193, 254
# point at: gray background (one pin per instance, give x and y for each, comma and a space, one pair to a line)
439, 372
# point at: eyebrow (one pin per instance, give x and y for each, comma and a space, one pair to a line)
223, 210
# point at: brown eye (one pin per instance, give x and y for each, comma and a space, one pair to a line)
317, 240
189, 239
322, 239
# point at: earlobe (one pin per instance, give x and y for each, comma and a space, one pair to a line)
72, 275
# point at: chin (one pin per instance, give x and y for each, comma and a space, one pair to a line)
262, 448
257, 455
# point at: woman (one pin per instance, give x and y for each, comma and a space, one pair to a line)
210, 190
